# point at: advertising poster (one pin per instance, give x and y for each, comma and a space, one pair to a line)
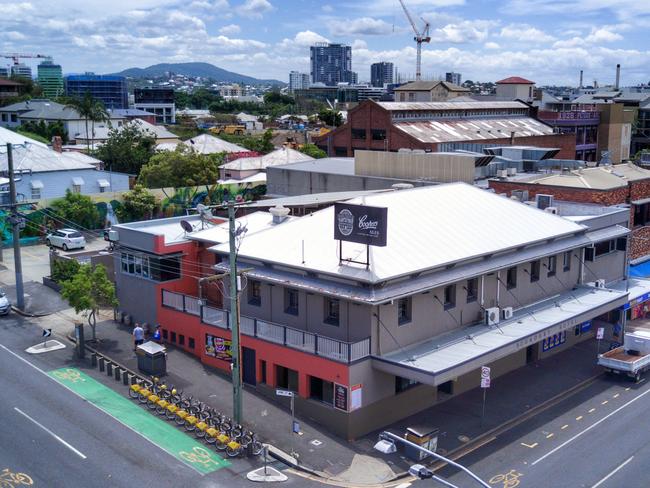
218, 347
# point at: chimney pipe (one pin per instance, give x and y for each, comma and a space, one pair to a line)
580, 86
512, 138
618, 76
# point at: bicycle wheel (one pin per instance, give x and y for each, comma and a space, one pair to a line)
256, 448
221, 446
23, 479
210, 440
232, 452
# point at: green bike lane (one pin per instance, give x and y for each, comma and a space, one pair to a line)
159, 432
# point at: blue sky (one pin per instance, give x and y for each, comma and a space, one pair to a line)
547, 41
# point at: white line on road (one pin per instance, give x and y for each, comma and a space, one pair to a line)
78, 453
612, 473
590, 427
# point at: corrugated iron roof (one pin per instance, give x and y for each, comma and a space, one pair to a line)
414, 106
474, 129
598, 178
515, 80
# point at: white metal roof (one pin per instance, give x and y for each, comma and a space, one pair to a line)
207, 144
451, 105
101, 131
598, 178
254, 222
285, 155
428, 227
11, 137
461, 351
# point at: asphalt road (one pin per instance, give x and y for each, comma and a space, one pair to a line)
61, 440
599, 438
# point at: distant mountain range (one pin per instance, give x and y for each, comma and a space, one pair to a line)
204, 70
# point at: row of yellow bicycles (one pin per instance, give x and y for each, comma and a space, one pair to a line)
196, 417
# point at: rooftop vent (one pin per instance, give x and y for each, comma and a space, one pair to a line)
402, 186
279, 213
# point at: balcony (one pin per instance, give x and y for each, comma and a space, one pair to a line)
344, 352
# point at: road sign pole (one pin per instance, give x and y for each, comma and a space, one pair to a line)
20, 294
483, 412
293, 422
234, 319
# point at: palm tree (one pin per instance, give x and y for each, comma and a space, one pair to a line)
84, 106
97, 114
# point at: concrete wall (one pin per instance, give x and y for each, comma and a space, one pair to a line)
136, 296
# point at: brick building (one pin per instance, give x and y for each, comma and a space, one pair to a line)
390, 126
621, 184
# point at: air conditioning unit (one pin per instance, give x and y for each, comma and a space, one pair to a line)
506, 313
512, 171
522, 195
543, 201
553, 210
492, 316
599, 283
502, 173
113, 236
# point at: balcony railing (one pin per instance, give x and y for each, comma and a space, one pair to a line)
301, 340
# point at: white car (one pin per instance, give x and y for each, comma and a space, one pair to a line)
66, 239
5, 304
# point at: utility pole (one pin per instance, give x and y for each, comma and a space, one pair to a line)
15, 222
234, 319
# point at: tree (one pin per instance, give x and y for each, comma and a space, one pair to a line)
331, 117
180, 168
88, 291
127, 149
77, 208
64, 269
277, 98
313, 150
138, 204
86, 108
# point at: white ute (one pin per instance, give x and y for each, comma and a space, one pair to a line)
632, 358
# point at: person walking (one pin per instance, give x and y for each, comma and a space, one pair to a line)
156, 334
138, 336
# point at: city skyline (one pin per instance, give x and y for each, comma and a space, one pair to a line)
269, 38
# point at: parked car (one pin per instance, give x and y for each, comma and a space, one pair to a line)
66, 239
5, 304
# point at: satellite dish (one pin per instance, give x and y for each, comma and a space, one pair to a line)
204, 212
187, 227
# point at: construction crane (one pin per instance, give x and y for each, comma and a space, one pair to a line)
419, 38
17, 56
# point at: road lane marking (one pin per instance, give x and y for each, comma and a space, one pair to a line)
564, 426
591, 410
550, 435
627, 389
591, 427
612, 473
616, 396
579, 417
78, 453
604, 402
531, 446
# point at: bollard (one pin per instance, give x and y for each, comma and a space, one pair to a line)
93, 359
118, 373
109, 368
102, 364
125, 378
132, 379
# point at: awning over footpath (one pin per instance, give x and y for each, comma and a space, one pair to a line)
446, 357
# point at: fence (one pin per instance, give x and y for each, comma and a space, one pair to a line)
268, 331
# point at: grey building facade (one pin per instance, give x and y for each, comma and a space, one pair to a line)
381, 74
331, 64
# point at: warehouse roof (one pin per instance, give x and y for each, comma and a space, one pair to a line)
428, 228
474, 129
252, 223
414, 106
598, 178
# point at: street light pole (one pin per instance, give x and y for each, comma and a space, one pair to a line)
15, 221
393, 437
234, 319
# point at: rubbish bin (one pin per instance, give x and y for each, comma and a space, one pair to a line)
152, 358
424, 436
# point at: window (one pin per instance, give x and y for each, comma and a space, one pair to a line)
472, 290
173, 337
552, 265
254, 293
447, 387
4, 117
286, 378
263, 372
332, 311
566, 261
190, 342
450, 297
321, 390
76, 188
358, 133
102, 189
181, 340
411, 97
511, 278
534, 271
378, 134
641, 216
291, 301
403, 311
403, 384
605, 247
165, 334
14, 117
151, 267
36, 193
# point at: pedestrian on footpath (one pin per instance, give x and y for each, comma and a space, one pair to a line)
138, 336
156, 334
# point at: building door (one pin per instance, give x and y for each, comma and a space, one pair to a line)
532, 353
248, 366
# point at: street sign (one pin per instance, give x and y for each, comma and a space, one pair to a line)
485, 372
284, 393
47, 332
600, 333
485, 382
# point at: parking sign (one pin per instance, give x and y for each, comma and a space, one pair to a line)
485, 377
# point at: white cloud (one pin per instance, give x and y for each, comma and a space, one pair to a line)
463, 32
13, 36
306, 39
16, 9
364, 26
239, 44
254, 8
603, 35
491, 45
229, 30
327, 8
525, 33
